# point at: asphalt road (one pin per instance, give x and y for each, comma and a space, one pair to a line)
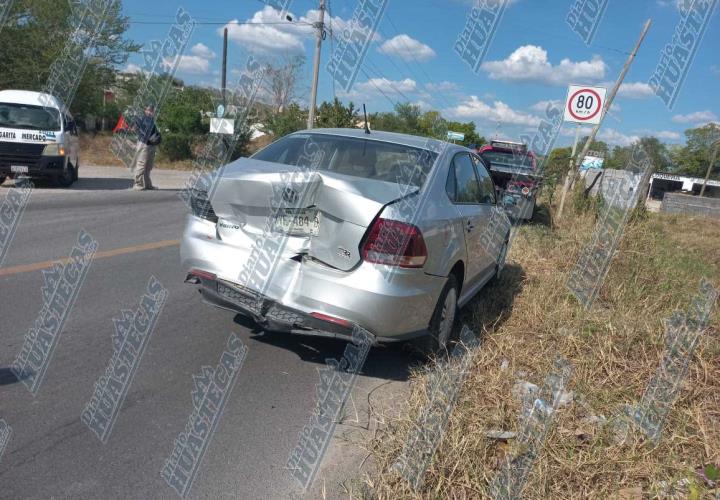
52, 454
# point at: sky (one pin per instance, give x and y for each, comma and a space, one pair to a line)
531, 60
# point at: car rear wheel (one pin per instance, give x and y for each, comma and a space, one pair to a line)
442, 324
501, 258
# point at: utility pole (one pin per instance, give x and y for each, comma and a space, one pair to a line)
320, 27
571, 167
712, 162
570, 180
224, 67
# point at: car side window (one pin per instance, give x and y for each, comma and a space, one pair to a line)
487, 186
450, 185
467, 187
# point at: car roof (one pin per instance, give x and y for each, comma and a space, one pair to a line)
30, 98
392, 137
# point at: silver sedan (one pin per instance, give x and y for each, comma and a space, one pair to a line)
330, 228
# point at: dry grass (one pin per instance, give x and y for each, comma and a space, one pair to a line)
95, 150
529, 318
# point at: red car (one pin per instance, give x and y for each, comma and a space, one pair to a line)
514, 169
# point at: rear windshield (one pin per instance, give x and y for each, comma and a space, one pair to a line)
29, 117
508, 159
364, 158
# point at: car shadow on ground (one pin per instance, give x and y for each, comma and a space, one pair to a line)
492, 306
7, 377
489, 309
541, 216
387, 362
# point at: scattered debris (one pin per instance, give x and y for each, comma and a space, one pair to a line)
673, 489
524, 390
566, 397
503, 435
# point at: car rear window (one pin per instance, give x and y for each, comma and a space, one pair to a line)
364, 158
508, 159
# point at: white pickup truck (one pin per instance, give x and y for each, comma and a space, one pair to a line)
38, 138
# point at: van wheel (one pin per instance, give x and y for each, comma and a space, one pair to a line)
68, 176
442, 330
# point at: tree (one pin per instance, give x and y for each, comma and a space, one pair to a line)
34, 36
335, 115
283, 81
471, 136
694, 158
557, 163
292, 119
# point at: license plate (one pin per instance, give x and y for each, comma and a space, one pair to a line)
298, 222
19, 169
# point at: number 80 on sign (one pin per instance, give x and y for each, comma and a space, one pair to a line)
584, 104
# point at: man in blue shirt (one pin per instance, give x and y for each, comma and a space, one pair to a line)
148, 140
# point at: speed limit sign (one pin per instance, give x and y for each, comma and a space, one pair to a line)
584, 104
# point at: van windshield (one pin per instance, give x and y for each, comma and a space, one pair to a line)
29, 117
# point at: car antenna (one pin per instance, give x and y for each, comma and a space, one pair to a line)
367, 128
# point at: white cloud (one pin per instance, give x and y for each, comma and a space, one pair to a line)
440, 87
202, 50
541, 106
189, 64
667, 135
696, 117
407, 48
634, 90
476, 109
610, 135
280, 35
283, 37
530, 63
132, 68
614, 137
378, 85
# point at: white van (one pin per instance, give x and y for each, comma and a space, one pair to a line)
38, 137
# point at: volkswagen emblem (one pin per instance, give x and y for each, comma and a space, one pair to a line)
290, 195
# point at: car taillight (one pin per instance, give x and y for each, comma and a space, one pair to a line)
201, 207
394, 243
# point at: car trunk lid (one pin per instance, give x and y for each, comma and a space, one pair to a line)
251, 194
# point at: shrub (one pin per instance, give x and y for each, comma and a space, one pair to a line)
176, 146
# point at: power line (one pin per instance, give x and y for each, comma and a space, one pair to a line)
223, 23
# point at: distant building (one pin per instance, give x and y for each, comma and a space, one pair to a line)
672, 183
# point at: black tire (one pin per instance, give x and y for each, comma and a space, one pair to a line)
441, 335
67, 178
500, 264
2, 179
